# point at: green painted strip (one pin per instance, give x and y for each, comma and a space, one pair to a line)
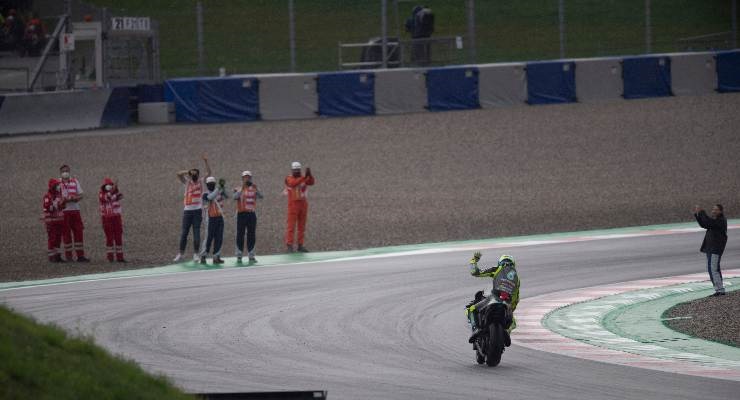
631, 322
299, 258
642, 322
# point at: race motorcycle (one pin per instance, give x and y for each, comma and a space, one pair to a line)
494, 316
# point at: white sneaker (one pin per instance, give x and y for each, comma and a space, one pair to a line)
178, 258
196, 258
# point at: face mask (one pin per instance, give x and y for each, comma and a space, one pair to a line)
108, 188
211, 186
297, 174
65, 175
248, 183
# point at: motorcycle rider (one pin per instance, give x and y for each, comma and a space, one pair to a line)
505, 279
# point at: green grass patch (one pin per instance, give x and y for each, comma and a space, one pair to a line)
252, 36
43, 362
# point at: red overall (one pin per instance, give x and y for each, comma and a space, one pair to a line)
110, 213
73, 237
295, 189
54, 220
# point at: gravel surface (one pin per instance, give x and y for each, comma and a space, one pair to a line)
391, 180
711, 318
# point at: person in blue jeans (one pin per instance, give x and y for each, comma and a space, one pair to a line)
715, 240
192, 215
213, 205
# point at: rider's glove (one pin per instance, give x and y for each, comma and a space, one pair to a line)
476, 257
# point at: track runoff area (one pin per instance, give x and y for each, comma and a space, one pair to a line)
616, 323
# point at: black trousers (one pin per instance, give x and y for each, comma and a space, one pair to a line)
215, 235
191, 218
246, 221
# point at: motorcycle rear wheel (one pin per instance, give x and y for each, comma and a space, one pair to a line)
495, 345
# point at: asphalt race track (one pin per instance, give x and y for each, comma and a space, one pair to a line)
371, 328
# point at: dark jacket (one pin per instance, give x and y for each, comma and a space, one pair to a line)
716, 237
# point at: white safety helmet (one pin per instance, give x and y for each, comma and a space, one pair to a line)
247, 173
295, 165
210, 179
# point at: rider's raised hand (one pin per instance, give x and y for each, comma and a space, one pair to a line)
476, 257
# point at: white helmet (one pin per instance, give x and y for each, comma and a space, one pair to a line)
295, 165
247, 173
210, 179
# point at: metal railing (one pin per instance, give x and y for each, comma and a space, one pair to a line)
371, 55
53, 39
427, 52
712, 41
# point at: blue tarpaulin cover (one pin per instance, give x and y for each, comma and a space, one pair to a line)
646, 77
214, 99
728, 71
184, 93
346, 93
452, 88
551, 82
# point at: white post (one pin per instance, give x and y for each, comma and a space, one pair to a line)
734, 24
395, 17
561, 20
199, 28
291, 32
648, 29
384, 30
67, 76
471, 31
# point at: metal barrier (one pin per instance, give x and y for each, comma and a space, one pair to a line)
371, 54
426, 52
712, 41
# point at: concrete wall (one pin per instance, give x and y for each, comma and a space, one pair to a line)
62, 111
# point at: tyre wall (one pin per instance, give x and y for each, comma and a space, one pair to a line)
395, 91
341, 94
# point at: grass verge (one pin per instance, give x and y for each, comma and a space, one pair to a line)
44, 362
253, 36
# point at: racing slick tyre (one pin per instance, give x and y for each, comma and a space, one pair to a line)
495, 344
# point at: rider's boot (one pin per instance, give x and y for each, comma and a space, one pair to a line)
475, 335
511, 327
473, 325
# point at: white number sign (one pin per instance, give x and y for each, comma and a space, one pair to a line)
130, 23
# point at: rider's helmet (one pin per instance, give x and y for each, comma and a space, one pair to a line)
506, 261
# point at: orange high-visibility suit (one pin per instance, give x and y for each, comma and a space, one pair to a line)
295, 189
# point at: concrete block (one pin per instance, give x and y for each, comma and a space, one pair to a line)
156, 113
